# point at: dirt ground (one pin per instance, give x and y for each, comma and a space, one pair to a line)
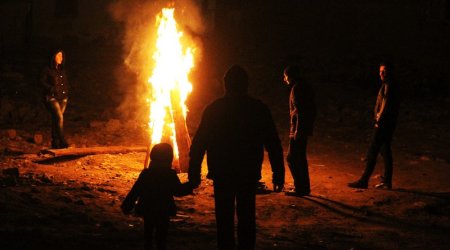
73, 203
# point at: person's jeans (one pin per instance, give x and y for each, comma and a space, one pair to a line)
381, 142
298, 164
229, 195
57, 108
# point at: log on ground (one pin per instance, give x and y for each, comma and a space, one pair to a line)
92, 151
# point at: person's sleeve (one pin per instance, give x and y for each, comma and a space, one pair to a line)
304, 100
197, 151
383, 104
43, 80
298, 111
274, 149
179, 189
132, 196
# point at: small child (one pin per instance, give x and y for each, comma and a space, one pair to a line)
154, 190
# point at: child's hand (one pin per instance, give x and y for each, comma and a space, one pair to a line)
126, 207
193, 184
187, 188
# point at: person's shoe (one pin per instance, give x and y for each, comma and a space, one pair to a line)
63, 144
293, 192
55, 144
383, 185
358, 184
261, 188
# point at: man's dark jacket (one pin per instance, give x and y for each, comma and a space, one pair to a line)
387, 106
302, 108
234, 131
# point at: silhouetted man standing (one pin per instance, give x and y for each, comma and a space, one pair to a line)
385, 117
234, 131
302, 108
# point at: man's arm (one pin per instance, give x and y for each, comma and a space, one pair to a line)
180, 189
132, 196
272, 144
381, 107
299, 111
197, 151
304, 100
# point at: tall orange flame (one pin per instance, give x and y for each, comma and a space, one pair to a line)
169, 83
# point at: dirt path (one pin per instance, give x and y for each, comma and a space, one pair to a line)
74, 204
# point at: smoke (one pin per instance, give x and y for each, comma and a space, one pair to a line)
138, 19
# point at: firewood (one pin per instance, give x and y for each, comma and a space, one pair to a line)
92, 151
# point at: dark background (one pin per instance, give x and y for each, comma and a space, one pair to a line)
337, 43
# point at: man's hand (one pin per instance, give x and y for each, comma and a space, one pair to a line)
376, 124
278, 187
126, 206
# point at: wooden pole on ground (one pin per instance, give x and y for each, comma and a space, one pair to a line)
92, 151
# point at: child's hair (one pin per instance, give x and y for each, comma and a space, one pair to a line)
162, 152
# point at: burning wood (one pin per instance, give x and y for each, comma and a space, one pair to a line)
169, 89
182, 134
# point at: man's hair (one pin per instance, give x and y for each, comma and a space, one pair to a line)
390, 70
162, 152
236, 80
293, 71
388, 65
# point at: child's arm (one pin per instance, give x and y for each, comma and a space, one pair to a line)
179, 188
132, 196
130, 201
185, 189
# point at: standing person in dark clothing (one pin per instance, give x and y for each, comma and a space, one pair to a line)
234, 131
302, 113
56, 90
385, 117
154, 190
